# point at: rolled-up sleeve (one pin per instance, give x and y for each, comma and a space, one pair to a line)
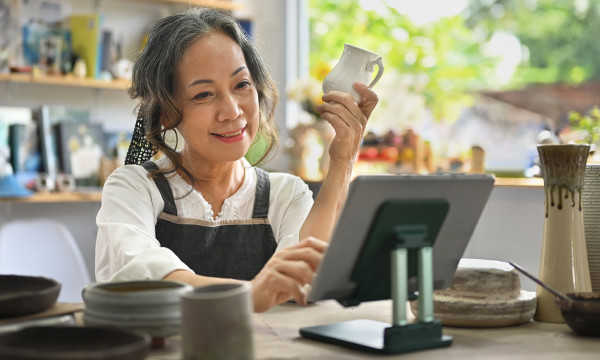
126, 245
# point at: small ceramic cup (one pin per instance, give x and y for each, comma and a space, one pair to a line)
216, 322
355, 65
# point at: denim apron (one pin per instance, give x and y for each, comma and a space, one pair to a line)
237, 248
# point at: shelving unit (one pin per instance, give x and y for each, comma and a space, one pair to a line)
117, 84
57, 197
533, 182
217, 4
67, 80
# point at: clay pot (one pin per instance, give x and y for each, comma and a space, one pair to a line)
150, 306
583, 313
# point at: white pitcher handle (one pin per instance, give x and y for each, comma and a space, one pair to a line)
371, 67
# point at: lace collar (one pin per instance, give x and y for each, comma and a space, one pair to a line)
187, 206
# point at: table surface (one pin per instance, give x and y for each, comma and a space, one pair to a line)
276, 336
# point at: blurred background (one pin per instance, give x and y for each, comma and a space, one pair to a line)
466, 80
469, 86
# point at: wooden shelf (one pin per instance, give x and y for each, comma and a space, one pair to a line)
65, 81
217, 4
58, 197
519, 182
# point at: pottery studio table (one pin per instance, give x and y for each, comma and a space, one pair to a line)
276, 336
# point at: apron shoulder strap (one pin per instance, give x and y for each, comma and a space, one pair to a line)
263, 190
163, 186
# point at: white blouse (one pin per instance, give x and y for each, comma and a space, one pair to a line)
126, 245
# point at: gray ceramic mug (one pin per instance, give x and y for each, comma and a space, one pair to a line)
217, 322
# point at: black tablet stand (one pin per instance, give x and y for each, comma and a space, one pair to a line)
405, 231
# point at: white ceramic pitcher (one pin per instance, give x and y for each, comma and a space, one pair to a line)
355, 65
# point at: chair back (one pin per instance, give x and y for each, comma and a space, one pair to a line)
44, 247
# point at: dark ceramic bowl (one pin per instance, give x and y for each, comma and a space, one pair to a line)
583, 313
73, 342
23, 295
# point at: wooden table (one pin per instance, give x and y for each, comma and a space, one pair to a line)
276, 336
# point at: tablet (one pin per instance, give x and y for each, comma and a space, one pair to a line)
463, 197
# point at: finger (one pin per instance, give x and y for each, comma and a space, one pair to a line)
287, 288
301, 297
369, 98
336, 101
315, 243
270, 288
341, 118
345, 144
265, 298
339, 97
308, 255
348, 128
298, 270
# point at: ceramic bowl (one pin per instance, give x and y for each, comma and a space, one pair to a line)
73, 342
583, 313
150, 306
23, 295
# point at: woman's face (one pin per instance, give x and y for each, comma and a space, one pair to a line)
218, 100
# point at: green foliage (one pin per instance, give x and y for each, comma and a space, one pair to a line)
560, 36
559, 39
589, 123
446, 54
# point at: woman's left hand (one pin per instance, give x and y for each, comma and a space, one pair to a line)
348, 120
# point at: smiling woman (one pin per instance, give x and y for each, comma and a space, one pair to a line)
202, 214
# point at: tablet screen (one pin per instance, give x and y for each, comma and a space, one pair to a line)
341, 276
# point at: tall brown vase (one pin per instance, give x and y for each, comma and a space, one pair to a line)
564, 262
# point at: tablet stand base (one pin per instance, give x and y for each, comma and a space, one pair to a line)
379, 337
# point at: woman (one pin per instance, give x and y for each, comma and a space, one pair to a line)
203, 214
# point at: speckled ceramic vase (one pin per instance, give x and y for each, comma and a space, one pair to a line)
564, 262
591, 221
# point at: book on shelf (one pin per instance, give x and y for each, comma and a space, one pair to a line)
81, 149
42, 41
10, 32
117, 144
18, 121
10, 115
86, 37
107, 51
25, 153
247, 26
47, 143
48, 117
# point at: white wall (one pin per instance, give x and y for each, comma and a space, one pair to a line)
510, 229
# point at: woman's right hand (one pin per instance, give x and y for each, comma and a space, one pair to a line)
285, 275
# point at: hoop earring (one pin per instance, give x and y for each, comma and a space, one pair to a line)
171, 139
